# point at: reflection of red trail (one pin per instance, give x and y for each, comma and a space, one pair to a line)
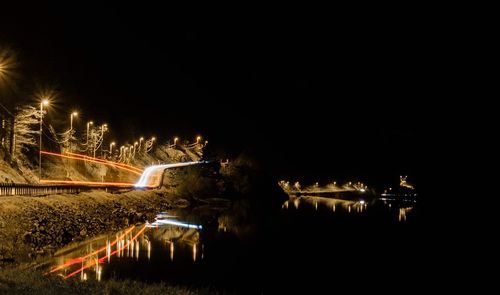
80, 259
126, 184
125, 167
102, 259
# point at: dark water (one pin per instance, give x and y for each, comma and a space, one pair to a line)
313, 242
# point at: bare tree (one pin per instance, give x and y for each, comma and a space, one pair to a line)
26, 122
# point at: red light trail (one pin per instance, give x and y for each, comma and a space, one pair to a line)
80, 259
125, 167
101, 260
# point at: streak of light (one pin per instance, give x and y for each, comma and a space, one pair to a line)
174, 222
91, 160
172, 251
106, 161
149, 250
194, 252
108, 183
146, 175
102, 259
81, 259
137, 250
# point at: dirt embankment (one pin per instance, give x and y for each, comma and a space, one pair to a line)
33, 226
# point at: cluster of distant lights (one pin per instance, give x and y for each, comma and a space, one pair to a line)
349, 186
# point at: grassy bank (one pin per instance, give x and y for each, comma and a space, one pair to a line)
24, 280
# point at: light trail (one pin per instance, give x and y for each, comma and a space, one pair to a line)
103, 259
125, 184
173, 222
106, 161
80, 259
153, 173
93, 160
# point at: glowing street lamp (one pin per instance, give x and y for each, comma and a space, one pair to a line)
44, 102
104, 128
73, 114
140, 142
175, 140
198, 138
111, 148
88, 126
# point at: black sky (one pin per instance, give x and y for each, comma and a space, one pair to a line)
319, 94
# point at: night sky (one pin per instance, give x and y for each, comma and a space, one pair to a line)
312, 95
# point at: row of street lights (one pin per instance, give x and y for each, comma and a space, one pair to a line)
139, 145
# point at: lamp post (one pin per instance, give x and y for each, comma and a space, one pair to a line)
140, 142
103, 129
136, 144
42, 103
88, 126
111, 149
73, 114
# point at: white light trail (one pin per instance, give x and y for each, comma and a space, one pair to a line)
154, 173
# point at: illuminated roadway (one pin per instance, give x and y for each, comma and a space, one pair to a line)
152, 176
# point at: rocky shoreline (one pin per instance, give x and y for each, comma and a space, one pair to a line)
31, 227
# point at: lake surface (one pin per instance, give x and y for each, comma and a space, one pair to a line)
313, 241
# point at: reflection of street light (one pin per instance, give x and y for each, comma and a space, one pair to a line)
44, 102
73, 114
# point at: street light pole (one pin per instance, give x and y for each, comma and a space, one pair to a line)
71, 120
88, 126
103, 128
42, 103
140, 142
73, 114
111, 149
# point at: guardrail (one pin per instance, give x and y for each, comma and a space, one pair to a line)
26, 189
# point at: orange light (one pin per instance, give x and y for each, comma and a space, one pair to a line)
102, 259
94, 160
80, 259
105, 161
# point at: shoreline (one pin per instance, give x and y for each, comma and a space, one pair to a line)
32, 227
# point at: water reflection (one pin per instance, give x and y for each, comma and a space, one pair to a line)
349, 206
127, 244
